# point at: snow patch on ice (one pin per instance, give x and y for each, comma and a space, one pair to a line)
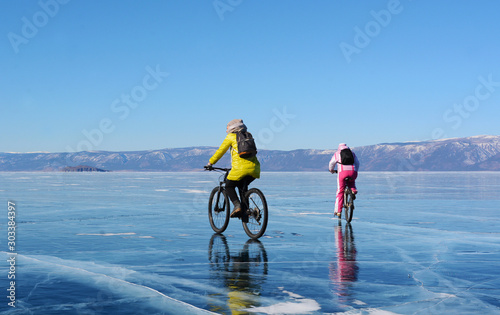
298, 305
194, 191
314, 213
370, 311
107, 234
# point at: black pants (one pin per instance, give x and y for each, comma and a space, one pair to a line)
242, 185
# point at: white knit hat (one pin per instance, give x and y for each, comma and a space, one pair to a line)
235, 125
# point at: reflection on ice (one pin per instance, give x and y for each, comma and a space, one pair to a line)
243, 274
344, 271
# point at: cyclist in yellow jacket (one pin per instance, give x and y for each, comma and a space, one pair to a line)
243, 170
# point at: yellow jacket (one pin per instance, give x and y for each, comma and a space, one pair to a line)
240, 167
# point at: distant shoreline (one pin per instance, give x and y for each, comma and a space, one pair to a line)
478, 153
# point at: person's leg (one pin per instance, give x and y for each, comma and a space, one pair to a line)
352, 184
231, 193
339, 201
243, 185
242, 189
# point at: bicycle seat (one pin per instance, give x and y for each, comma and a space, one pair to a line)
347, 179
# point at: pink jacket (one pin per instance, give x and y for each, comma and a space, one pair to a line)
336, 160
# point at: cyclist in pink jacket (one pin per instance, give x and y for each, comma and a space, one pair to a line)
348, 165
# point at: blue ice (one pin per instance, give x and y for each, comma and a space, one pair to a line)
140, 243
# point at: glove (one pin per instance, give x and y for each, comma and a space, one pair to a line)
209, 167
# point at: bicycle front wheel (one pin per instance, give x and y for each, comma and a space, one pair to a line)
257, 213
348, 204
218, 210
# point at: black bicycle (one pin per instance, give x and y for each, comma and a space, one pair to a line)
255, 214
349, 198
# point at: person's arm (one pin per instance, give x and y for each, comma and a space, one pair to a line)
226, 144
356, 161
333, 162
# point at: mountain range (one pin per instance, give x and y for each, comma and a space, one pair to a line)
478, 153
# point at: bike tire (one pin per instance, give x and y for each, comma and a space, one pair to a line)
257, 213
348, 205
218, 214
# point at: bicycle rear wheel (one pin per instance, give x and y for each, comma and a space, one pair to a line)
218, 210
257, 213
348, 204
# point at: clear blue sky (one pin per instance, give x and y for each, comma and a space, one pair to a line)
140, 75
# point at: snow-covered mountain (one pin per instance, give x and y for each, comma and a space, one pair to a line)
459, 154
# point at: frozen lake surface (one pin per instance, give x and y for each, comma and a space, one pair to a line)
140, 243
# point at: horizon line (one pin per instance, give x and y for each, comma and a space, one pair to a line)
212, 147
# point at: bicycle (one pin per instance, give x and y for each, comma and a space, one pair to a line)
255, 214
349, 198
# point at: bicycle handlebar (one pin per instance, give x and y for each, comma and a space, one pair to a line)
211, 168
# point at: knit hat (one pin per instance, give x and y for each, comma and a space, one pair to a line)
343, 146
236, 125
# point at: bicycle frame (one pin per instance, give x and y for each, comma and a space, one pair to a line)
348, 200
222, 183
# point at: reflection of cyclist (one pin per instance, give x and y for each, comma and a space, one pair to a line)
345, 270
348, 167
243, 171
243, 274
239, 283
